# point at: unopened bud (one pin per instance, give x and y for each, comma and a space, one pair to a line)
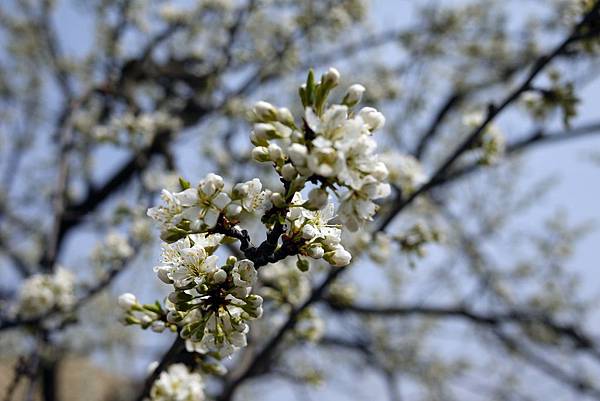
285, 117
331, 78
278, 200
260, 154
372, 118
127, 301
265, 111
303, 265
354, 95
288, 172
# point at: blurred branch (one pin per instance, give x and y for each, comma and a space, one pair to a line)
581, 340
54, 51
176, 348
493, 111
536, 138
453, 100
24, 367
542, 364
17, 260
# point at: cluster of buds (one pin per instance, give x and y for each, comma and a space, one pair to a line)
491, 144
198, 209
146, 316
44, 293
334, 147
177, 383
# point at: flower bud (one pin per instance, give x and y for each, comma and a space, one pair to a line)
275, 152
260, 154
127, 301
298, 153
354, 95
285, 117
261, 134
303, 265
309, 232
315, 252
220, 276
288, 172
331, 78
174, 316
265, 111
162, 272
278, 200
338, 257
254, 300
158, 326
372, 118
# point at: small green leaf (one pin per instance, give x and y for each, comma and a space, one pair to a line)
185, 184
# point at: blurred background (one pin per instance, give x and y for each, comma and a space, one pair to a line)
484, 288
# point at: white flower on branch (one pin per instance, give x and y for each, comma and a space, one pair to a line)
42, 293
405, 171
491, 144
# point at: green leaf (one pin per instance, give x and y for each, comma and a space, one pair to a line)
185, 184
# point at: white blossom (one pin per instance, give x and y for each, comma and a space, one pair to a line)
127, 301
354, 95
405, 171
178, 383
372, 118
42, 293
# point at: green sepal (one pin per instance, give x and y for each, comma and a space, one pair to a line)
173, 235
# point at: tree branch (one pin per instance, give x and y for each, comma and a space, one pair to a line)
493, 111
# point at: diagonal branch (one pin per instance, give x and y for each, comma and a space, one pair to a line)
493, 112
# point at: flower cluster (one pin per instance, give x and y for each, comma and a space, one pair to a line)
376, 245
284, 284
113, 249
212, 303
198, 209
414, 240
135, 129
177, 383
492, 144
334, 148
43, 293
405, 171
149, 315
317, 237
